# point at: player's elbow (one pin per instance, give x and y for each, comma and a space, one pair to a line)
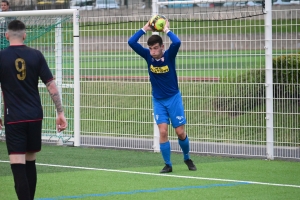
177, 43
130, 42
51, 85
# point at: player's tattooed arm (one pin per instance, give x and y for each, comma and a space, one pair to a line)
54, 93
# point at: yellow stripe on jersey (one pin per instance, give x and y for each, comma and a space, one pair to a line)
159, 70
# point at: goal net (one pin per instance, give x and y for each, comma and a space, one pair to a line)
51, 32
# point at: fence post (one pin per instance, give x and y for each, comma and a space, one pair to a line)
76, 79
156, 146
155, 8
269, 80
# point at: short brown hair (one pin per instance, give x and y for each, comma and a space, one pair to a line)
154, 39
16, 25
5, 1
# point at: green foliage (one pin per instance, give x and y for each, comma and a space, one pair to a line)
241, 93
286, 76
246, 91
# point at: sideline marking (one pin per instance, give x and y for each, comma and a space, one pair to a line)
168, 175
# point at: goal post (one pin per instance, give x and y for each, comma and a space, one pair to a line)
56, 34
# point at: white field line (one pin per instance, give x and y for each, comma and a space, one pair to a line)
167, 175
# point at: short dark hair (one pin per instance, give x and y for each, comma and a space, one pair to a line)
16, 25
154, 39
5, 1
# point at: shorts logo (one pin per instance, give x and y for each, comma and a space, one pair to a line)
179, 117
156, 117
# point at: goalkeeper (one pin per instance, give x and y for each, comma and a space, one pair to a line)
166, 97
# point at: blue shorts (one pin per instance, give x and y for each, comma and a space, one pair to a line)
170, 109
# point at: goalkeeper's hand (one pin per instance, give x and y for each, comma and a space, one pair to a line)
166, 28
147, 27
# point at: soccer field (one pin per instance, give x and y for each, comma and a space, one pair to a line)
94, 173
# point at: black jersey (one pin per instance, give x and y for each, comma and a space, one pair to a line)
20, 70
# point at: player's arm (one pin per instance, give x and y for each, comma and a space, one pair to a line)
133, 41
47, 78
61, 123
53, 91
174, 47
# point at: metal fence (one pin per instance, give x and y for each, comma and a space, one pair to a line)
223, 74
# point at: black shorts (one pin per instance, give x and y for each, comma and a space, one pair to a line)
23, 137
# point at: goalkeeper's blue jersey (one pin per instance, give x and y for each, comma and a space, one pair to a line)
20, 70
162, 72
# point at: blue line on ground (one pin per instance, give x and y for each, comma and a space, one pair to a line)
144, 191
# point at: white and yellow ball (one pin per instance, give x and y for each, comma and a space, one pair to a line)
157, 22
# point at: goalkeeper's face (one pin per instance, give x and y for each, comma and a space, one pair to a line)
156, 50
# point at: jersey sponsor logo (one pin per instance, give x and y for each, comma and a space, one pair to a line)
159, 70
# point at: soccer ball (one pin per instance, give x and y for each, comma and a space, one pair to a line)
157, 23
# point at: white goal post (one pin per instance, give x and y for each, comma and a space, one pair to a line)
46, 33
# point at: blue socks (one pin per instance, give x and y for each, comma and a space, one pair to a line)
185, 146
165, 149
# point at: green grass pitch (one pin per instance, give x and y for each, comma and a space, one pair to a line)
94, 173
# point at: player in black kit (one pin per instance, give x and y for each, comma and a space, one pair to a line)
20, 69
